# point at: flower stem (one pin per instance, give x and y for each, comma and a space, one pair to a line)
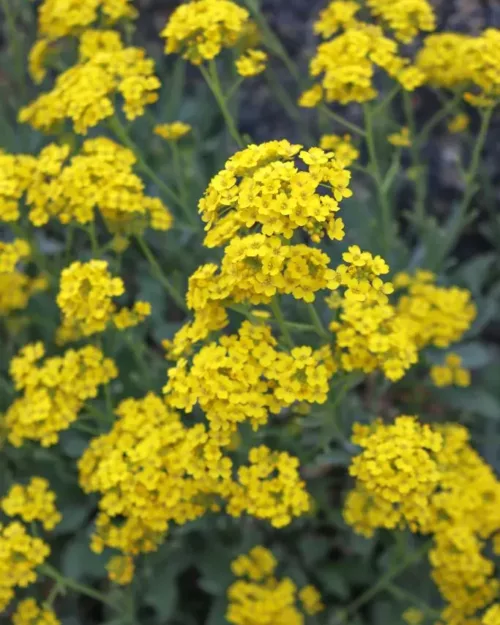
344, 122
316, 320
278, 315
211, 77
420, 170
122, 135
66, 582
385, 208
171, 290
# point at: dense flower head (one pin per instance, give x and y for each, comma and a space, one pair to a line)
11, 253
451, 372
28, 612
20, 555
54, 391
243, 377
458, 61
15, 175
85, 92
200, 29
260, 598
430, 479
86, 300
440, 315
151, 471
33, 502
338, 15
251, 63
405, 17
70, 188
16, 289
173, 131
264, 186
345, 152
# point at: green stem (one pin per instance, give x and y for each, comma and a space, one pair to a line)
385, 208
470, 188
211, 77
383, 582
344, 122
179, 172
171, 290
15, 43
404, 595
420, 170
316, 320
280, 319
122, 135
139, 358
66, 582
437, 118
94, 244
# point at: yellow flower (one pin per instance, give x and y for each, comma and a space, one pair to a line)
451, 372
344, 150
339, 15
400, 139
251, 63
200, 29
20, 555
12, 253
173, 131
28, 612
405, 17
413, 616
34, 502
312, 97
121, 570
311, 600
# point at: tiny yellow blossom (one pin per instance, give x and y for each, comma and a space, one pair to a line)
400, 139
459, 123
28, 612
251, 63
34, 502
173, 131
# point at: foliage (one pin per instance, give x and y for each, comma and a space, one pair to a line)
245, 383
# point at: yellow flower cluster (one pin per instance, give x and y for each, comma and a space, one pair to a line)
173, 131
85, 299
12, 253
346, 65
345, 152
61, 18
28, 612
200, 29
251, 63
451, 372
16, 172
407, 18
121, 569
243, 377
16, 289
33, 502
263, 187
85, 93
371, 333
151, 470
259, 598
430, 479
20, 555
458, 61
53, 392
458, 123
99, 177
492, 615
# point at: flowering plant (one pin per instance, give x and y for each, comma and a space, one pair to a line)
243, 380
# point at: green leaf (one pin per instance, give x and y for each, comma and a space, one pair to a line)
475, 400
163, 593
78, 561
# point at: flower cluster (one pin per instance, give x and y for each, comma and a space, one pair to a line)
243, 377
33, 502
16, 172
430, 479
200, 29
86, 300
99, 177
462, 62
16, 289
53, 392
173, 131
259, 598
451, 372
151, 471
407, 18
121, 569
20, 555
28, 612
12, 253
345, 152
251, 63
346, 64
85, 93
